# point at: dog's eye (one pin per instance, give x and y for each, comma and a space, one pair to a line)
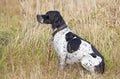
47, 17
93, 55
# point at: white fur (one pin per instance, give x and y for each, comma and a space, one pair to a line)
82, 55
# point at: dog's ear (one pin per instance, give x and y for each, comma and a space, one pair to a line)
58, 20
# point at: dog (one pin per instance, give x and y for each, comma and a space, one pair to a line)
71, 48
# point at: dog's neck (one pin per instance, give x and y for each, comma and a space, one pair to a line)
59, 29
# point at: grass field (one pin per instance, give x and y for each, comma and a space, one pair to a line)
25, 47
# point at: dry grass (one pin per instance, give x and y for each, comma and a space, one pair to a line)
25, 48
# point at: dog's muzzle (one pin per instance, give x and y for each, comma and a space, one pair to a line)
40, 18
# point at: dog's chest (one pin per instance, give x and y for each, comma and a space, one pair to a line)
59, 41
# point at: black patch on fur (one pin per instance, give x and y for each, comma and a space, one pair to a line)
96, 51
73, 42
93, 55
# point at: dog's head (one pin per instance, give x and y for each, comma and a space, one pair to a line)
51, 17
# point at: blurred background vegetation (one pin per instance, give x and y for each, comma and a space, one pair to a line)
25, 45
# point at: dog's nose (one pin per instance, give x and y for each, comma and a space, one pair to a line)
38, 18
99, 68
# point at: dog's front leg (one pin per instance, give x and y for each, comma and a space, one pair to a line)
62, 62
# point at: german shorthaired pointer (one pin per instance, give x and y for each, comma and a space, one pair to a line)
70, 47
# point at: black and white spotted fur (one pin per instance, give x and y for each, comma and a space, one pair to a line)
70, 47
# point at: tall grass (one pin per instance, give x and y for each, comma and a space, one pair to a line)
25, 45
